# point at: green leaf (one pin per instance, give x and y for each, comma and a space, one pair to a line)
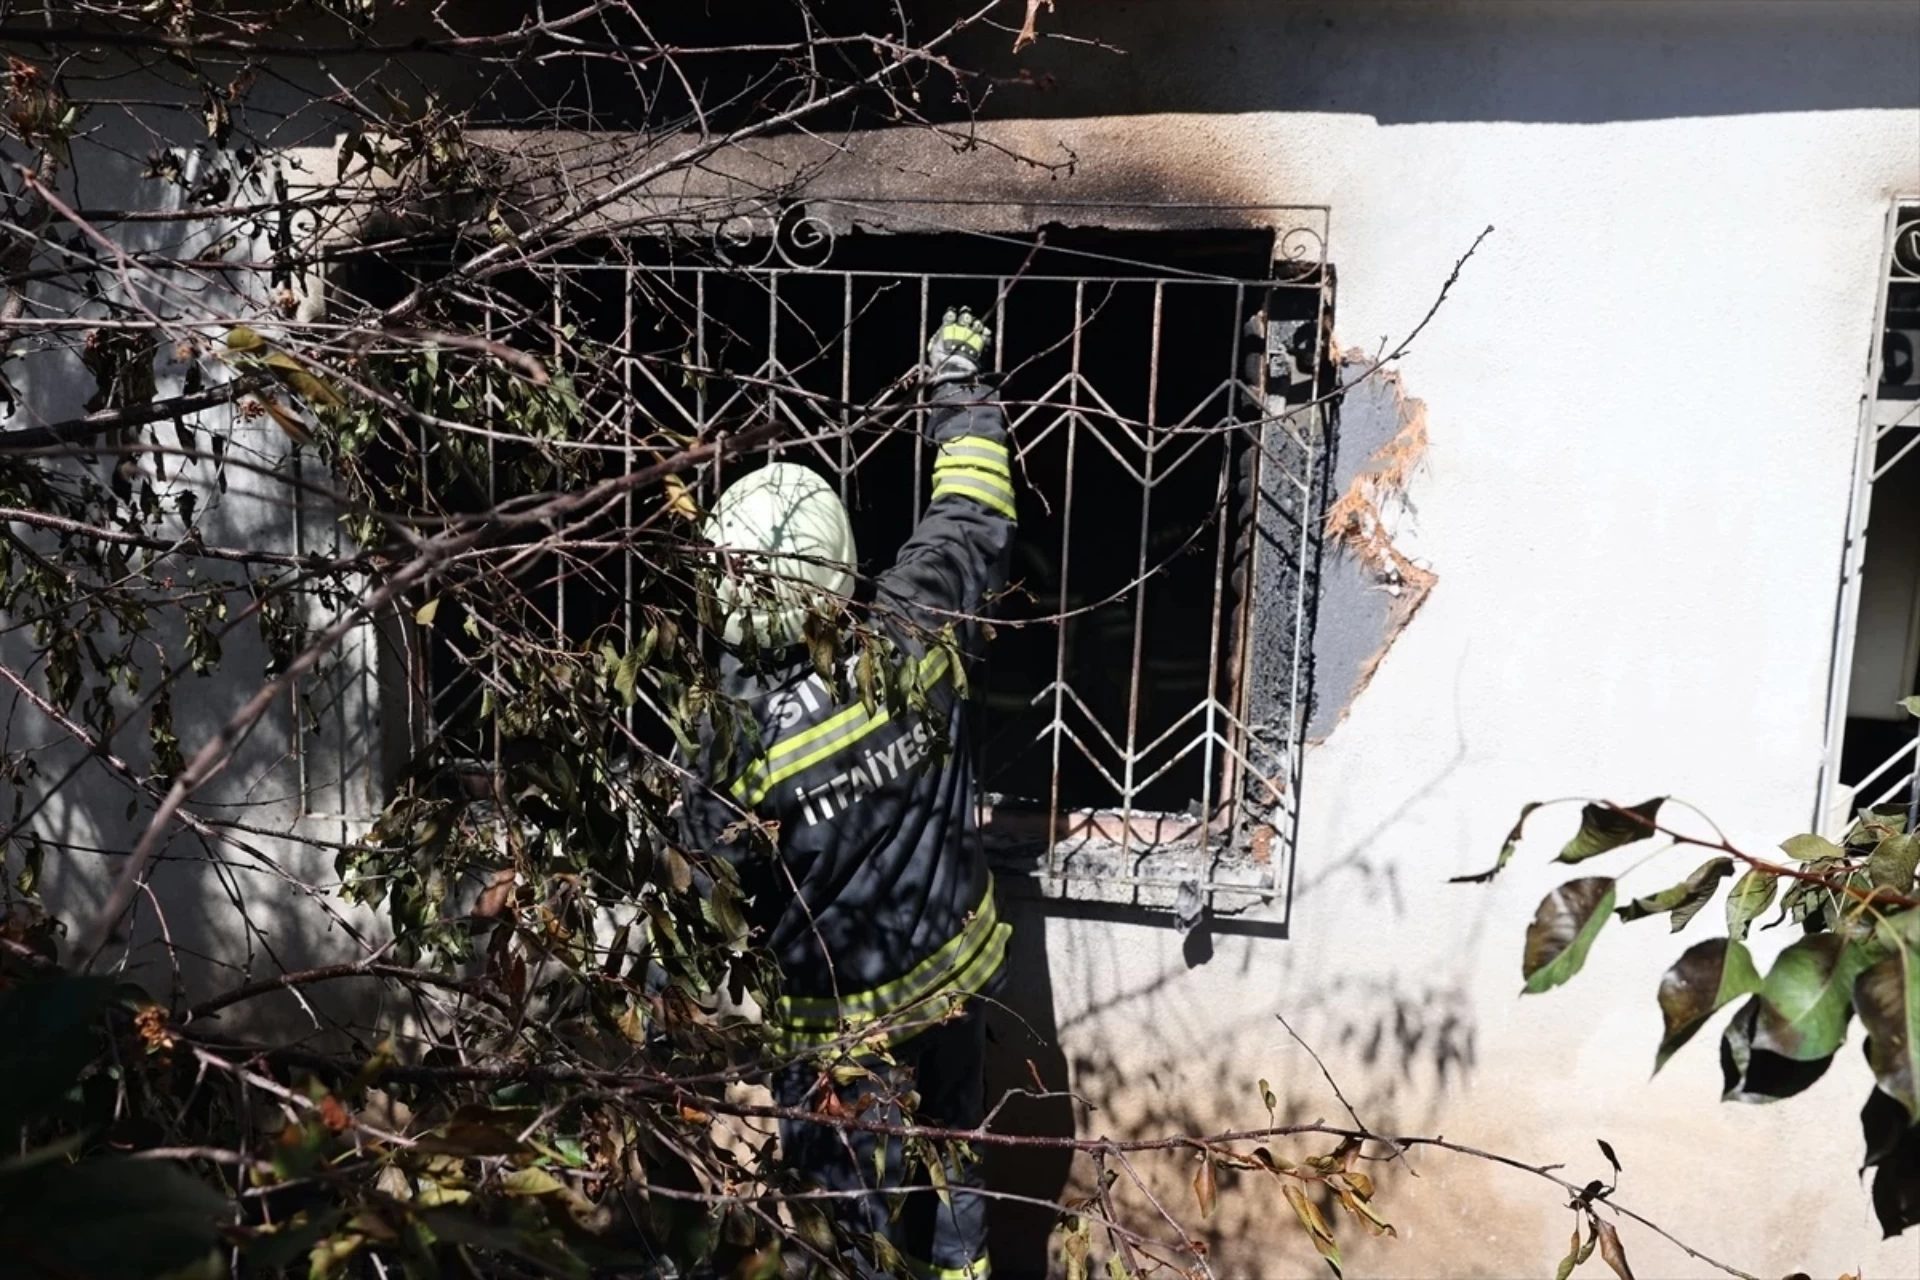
1874, 824
1354, 1190
33, 862
1075, 1245
47, 1034
823, 644
531, 1182
1506, 850
1893, 1147
1752, 893
1707, 976
863, 679
888, 1262
810, 1221
1572, 1260
112, 1218
626, 677
937, 1176
57, 1152
1563, 929
763, 1264
242, 338
1810, 848
425, 613
312, 389
1887, 998
1807, 997
277, 1247
1604, 828
1892, 863
461, 1226
1912, 704
471, 1135
722, 907
1685, 899
1883, 1121
956, 661
1751, 1074
1896, 1188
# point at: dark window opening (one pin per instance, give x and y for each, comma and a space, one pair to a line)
1886, 649
1877, 759
1133, 368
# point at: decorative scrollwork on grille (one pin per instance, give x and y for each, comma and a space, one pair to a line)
795, 235
1906, 246
1304, 246
803, 239
742, 241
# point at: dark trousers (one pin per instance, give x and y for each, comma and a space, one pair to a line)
939, 1236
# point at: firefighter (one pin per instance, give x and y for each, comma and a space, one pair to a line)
876, 901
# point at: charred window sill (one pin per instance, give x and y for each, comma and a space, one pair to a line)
1151, 861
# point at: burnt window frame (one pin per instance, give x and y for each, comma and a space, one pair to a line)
1237, 851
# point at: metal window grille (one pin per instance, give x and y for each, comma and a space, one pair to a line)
1139, 721
1871, 756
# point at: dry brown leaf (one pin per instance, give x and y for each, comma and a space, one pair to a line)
1610, 1251
151, 1023
295, 429
680, 499
1205, 1187
1027, 32
493, 898
333, 1114
1316, 1226
1358, 1206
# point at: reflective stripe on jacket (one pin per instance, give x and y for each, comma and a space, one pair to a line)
877, 903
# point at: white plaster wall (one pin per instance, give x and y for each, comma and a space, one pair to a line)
1643, 398
220, 912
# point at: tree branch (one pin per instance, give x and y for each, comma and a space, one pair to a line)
94, 425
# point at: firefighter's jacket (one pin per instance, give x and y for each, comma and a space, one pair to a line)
894, 916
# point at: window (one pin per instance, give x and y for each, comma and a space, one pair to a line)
1871, 745
1140, 717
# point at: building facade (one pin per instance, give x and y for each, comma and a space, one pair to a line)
1642, 523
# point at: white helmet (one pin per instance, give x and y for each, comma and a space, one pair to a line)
787, 544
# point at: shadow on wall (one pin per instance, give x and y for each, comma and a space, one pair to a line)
1160, 1056
1421, 61
1024, 1053
1396, 61
1397, 1049
218, 910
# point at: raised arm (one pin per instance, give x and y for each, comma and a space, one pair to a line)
957, 556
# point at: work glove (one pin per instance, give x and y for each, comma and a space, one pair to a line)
958, 348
